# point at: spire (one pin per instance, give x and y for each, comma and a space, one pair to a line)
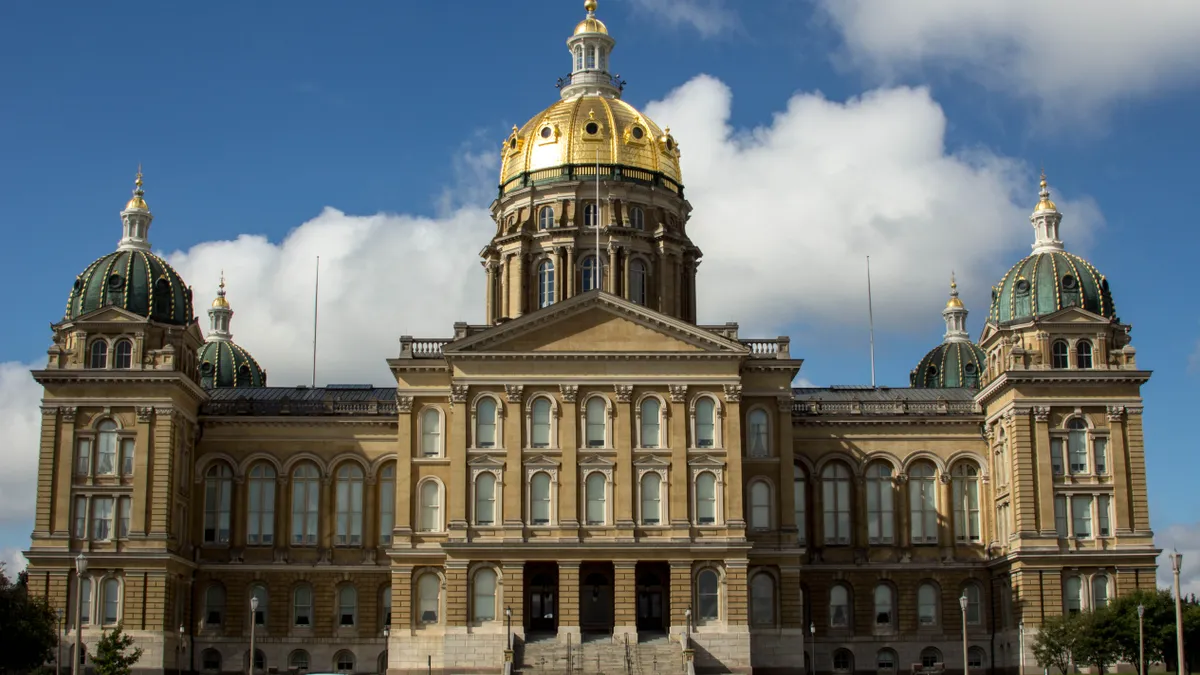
219, 315
590, 47
1045, 219
955, 315
135, 219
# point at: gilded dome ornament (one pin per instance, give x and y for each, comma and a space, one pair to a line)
224, 363
957, 362
137, 201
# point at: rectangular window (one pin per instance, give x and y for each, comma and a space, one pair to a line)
1060, 516
80, 530
1103, 515
387, 509
1077, 450
837, 511
880, 521
106, 454
123, 510
798, 496
1081, 516
1056, 456
127, 446
83, 457
85, 604
102, 514
1100, 455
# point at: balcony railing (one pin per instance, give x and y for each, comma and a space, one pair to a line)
422, 348
778, 348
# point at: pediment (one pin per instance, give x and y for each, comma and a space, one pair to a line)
706, 461
1075, 315
486, 462
110, 314
595, 461
595, 322
542, 461
651, 462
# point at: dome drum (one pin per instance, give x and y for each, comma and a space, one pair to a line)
573, 173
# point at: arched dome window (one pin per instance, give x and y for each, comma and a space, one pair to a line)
1083, 354
162, 300
637, 217
98, 355
593, 274
578, 57
546, 214
123, 354
545, 273
1058, 354
591, 213
637, 282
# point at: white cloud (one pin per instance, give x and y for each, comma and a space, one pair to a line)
1185, 539
1070, 55
14, 562
20, 418
709, 18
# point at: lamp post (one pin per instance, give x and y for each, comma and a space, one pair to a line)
253, 622
59, 615
180, 647
508, 623
962, 603
687, 628
1141, 640
1176, 563
812, 632
1021, 644
80, 570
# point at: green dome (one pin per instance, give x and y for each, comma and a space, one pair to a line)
1047, 282
950, 364
135, 280
224, 364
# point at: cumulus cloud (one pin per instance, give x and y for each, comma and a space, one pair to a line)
1186, 540
14, 562
709, 18
21, 420
1071, 55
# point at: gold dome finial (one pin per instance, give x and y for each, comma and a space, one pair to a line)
591, 24
220, 302
137, 201
953, 302
590, 6
1044, 203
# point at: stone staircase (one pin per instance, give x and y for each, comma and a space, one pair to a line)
659, 656
599, 655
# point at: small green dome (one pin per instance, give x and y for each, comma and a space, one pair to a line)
135, 280
950, 364
224, 364
1047, 282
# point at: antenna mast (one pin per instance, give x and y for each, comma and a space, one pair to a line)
871, 321
316, 296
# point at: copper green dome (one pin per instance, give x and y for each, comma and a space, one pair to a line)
950, 364
135, 280
1047, 282
225, 364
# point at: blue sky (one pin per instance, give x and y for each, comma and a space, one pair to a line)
270, 132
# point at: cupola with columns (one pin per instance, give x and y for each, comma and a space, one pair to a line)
957, 362
590, 197
224, 363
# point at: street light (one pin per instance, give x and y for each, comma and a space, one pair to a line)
1176, 563
1021, 644
80, 570
59, 615
508, 623
812, 632
1141, 640
962, 603
253, 622
687, 628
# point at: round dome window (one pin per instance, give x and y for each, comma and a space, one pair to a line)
969, 369
1022, 286
637, 133
670, 144
592, 128
206, 367
114, 281
1070, 283
546, 132
931, 371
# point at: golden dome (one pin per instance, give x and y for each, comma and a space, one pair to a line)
953, 302
586, 130
1044, 204
591, 25
137, 201
220, 302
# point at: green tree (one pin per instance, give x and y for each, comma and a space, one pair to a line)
1055, 642
1158, 625
28, 627
1096, 639
113, 655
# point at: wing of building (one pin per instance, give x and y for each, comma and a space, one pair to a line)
588, 476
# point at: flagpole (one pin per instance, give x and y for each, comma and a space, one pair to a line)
871, 320
316, 296
597, 277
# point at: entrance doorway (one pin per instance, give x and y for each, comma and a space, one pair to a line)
652, 600
596, 597
541, 597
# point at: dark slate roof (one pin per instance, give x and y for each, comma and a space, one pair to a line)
868, 401
869, 393
330, 400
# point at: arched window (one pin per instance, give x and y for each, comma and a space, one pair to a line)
349, 505
927, 605
881, 517
965, 479
98, 357
843, 661
799, 501
651, 411
431, 507
540, 421
485, 499
760, 506
637, 218
706, 498
651, 498
214, 605
594, 490
85, 598
1083, 354
298, 660
1073, 594
347, 606
762, 600
1077, 455
218, 487
708, 595
578, 57
485, 423
106, 448
758, 434
260, 511
930, 657
539, 498
110, 601
387, 503
922, 503
162, 299
1058, 355
593, 277
385, 605
431, 433
590, 57
839, 607
302, 605
429, 591
706, 422
835, 487
343, 662
210, 661
483, 600
596, 413
123, 354
974, 610
971, 376
260, 614
1099, 591
885, 661
591, 217
975, 657
545, 272
637, 282
546, 218
884, 603
306, 501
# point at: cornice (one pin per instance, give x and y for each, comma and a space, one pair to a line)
84, 375
298, 420
1062, 376
597, 356
893, 420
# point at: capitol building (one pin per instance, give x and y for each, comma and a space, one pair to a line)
586, 480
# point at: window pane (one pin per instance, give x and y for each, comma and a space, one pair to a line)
596, 412
1104, 526
883, 605
428, 589
127, 447
799, 494
430, 507
387, 504
651, 505
706, 498
539, 498
112, 599
541, 423
705, 423
485, 499
1060, 516
707, 595
485, 423
762, 600
83, 457
757, 434
760, 506
595, 488
1056, 456
431, 433
650, 423
1081, 516
123, 511
1100, 454
927, 605
484, 601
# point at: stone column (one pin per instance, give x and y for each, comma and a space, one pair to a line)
237, 519
64, 471
625, 273
1122, 509
560, 276
521, 297
457, 420
625, 599
490, 297
732, 442
569, 274
945, 514
678, 276
502, 273
568, 438
404, 478
282, 512
326, 519
680, 475
1135, 440
624, 489
568, 599
904, 535
514, 476
860, 536
513, 587
610, 283
691, 285
370, 516
660, 300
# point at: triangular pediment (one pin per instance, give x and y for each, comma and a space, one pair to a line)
705, 461
110, 314
595, 322
1074, 315
651, 462
597, 462
486, 462
541, 461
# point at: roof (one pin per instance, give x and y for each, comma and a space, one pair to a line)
859, 402
330, 400
869, 393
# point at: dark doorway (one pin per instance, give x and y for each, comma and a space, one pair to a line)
652, 600
596, 597
541, 597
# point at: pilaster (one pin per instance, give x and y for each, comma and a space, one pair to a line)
404, 477
457, 589
735, 591
1028, 461
624, 597
680, 595
677, 440
457, 420
624, 489
142, 484
1123, 502
514, 476
513, 581
167, 427
568, 598
787, 496
1043, 474
733, 458
62, 445
48, 497
569, 471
